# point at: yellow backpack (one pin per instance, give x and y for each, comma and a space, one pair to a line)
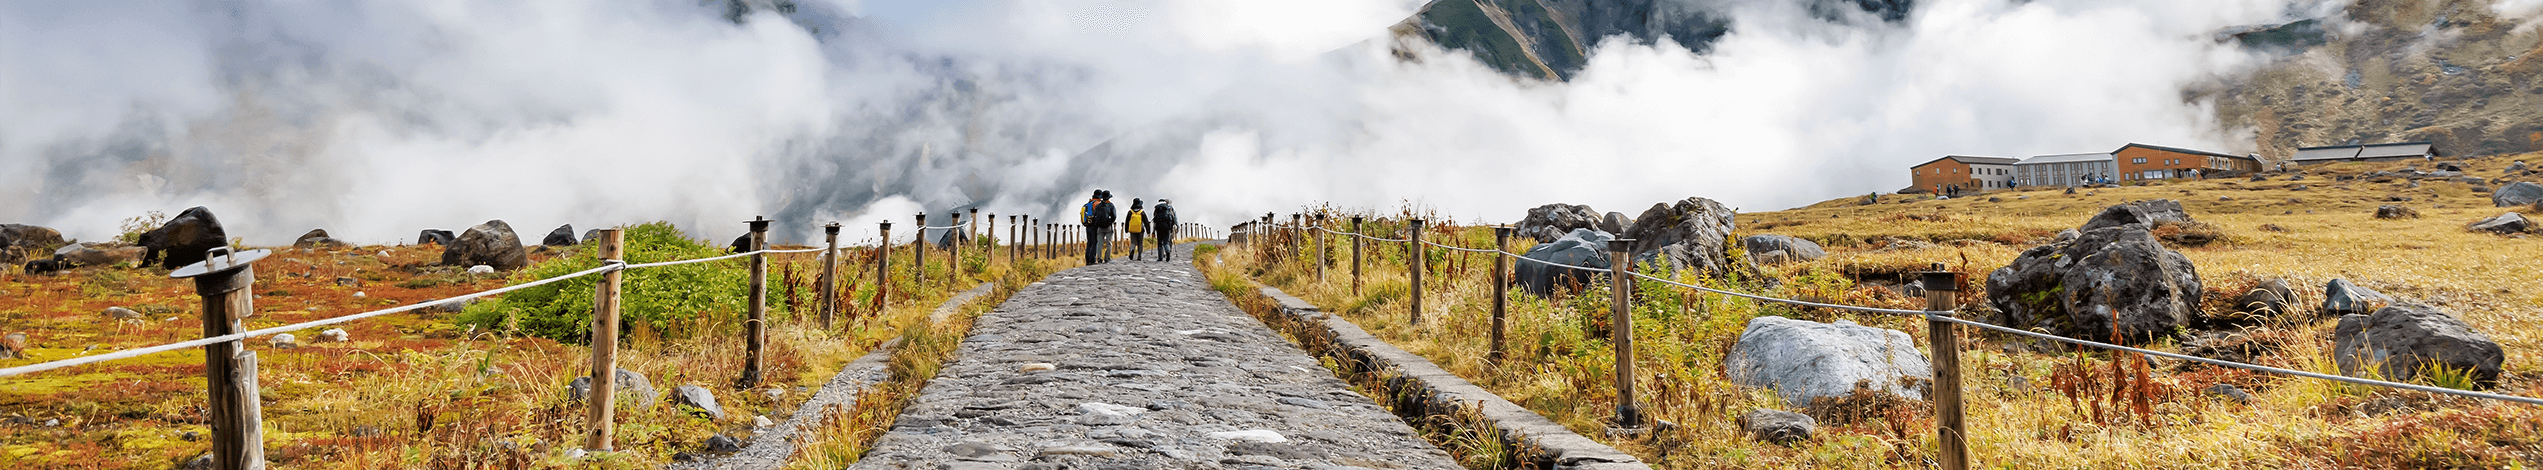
1138, 221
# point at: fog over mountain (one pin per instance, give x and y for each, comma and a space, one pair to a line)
376, 119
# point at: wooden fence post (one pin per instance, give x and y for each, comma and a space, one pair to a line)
1413, 263
918, 254
1620, 283
1942, 295
1320, 248
753, 358
882, 273
602, 400
829, 274
954, 239
1358, 242
225, 280
1014, 242
1297, 234
972, 227
1500, 287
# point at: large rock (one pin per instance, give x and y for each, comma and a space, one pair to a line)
2340, 297
1549, 222
697, 397
2112, 279
2517, 194
2389, 211
562, 236
98, 254
1772, 248
1582, 247
1615, 222
317, 238
632, 389
183, 239
435, 236
2150, 213
1689, 234
2504, 224
491, 244
2403, 340
2271, 298
1804, 360
19, 243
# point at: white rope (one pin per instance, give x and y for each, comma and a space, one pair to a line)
1464, 249
1787, 301
131, 353
2238, 365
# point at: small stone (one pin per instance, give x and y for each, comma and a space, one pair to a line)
2230, 392
336, 335
13, 346
481, 269
351, 282
1099, 408
191, 436
1085, 450
723, 444
1036, 367
1777, 426
975, 449
284, 341
1255, 435
200, 462
1305, 403
359, 294
576, 453
120, 313
761, 422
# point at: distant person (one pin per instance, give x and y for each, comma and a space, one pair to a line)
1097, 216
1135, 224
1163, 223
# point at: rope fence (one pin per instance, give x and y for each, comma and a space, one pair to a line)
1940, 316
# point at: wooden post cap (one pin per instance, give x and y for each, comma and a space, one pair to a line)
832, 229
1620, 245
759, 224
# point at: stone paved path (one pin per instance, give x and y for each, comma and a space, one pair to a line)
1139, 365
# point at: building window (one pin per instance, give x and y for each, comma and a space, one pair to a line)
2139, 160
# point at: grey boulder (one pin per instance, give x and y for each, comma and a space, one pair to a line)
2504, 224
562, 236
435, 236
2109, 281
1805, 360
2340, 297
1690, 234
318, 238
2151, 213
699, 398
491, 243
1582, 247
1615, 222
632, 388
19, 243
2269, 299
2516, 194
98, 254
2389, 211
2403, 341
1549, 222
1772, 248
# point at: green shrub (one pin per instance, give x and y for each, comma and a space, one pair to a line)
660, 297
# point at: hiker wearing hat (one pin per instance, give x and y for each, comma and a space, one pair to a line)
1162, 222
1136, 225
1097, 216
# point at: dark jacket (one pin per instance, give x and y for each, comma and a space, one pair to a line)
1102, 216
1161, 218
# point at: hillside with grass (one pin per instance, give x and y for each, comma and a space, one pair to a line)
2030, 403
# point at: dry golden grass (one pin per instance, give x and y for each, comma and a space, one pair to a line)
1560, 365
410, 390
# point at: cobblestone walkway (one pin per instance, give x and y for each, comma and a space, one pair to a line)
1139, 365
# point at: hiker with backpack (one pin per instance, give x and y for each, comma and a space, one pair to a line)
1162, 221
1097, 216
1135, 225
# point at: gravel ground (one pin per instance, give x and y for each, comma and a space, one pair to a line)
1139, 365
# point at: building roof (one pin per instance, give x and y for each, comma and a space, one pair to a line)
2385, 150
1973, 160
2068, 158
2180, 150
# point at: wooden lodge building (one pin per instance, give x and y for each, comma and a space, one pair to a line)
2133, 162
2393, 152
1965, 173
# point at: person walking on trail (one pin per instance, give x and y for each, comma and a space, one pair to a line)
1097, 217
1162, 222
1134, 223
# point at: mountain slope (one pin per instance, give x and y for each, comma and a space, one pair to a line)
2445, 71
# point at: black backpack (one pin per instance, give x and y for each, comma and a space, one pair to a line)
1162, 217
